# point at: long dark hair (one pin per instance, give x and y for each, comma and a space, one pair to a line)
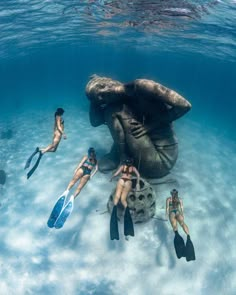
175, 197
128, 163
92, 150
59, 112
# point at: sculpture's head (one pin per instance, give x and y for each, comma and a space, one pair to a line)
102, 90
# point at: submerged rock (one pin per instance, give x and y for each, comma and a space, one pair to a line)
142, 203
3, 177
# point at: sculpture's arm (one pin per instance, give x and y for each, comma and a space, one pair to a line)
150, 89
96, 115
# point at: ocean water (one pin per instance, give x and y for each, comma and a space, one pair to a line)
48, 50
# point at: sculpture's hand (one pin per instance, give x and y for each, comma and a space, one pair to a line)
138, 130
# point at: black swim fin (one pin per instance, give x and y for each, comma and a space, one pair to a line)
28, 162
128, 223
35, 165
114, 232
190, 253
179, 245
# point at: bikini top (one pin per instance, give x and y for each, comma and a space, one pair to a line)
174, 204
127, 170
89, 163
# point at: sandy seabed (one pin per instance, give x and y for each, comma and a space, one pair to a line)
80, 258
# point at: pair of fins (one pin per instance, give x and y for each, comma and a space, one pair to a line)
28, 162
61, 211
128, 224
183, 250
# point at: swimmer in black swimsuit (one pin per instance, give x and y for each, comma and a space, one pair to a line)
124, 186
175, 211
83, 172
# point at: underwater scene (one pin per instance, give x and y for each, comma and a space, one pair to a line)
117, 147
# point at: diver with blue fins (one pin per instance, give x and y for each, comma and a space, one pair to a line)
57, 135
124, 185
85, 170
174, 209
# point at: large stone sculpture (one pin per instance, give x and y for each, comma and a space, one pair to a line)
139, 116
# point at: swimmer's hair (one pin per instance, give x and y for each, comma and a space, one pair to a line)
128, 161
174, 192
59, 112
91, 150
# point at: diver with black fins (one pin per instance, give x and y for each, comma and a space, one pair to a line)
124, 185
57, 135
174, 209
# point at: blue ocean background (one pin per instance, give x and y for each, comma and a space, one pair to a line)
48, 51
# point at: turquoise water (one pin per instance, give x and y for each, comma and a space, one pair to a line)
48, 50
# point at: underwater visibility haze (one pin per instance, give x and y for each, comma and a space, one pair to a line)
48, 52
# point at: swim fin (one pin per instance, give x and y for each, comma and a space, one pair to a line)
28, 162
65, 213
128, 223
190, 253
57, 209
179, 245
114, 232
35, 165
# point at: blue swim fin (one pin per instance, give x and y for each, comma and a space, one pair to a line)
65, 213
57, 210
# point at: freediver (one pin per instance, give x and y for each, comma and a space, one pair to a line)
57, 135
123, 188
175, 212
85, 170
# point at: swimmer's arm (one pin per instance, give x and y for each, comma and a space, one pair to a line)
181, 206
167, 207
81, 163
117, 172
59, 127
95, 171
